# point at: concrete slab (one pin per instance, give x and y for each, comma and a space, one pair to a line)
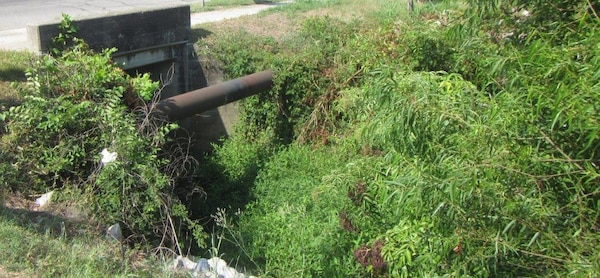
19, 13
126, 32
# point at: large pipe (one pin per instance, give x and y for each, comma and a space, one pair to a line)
194, 102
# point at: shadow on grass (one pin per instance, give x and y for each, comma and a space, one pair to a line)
8, 93
42, 222
199, 33
219, 192
12, 74
270, 3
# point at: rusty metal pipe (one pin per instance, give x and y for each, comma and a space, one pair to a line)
197, 101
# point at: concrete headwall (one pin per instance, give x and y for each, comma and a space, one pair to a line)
125, 31
156, 40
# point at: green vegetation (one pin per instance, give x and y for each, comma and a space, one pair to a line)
458, 140
444, 142
58, 253
12, 70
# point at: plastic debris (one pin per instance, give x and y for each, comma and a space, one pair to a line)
107, 156
44, 200
202, 266
114, 232
208, 268
184, 262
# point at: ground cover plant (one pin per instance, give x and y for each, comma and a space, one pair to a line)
444, 142
57, 252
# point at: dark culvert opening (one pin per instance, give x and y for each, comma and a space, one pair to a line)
164, 72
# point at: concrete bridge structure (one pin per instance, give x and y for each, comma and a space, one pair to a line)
156, 41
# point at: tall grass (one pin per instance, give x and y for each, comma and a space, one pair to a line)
51, 247
447, 150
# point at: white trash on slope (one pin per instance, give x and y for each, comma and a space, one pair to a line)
214, 267
114, 232
44, 200
108, 157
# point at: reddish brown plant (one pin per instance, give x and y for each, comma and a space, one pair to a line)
379, 265
371, 256
356, 194
363, 255
347, 224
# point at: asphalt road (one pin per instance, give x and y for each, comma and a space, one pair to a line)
15, 15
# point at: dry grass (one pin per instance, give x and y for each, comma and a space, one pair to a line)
275, 25
9, 274
280, 24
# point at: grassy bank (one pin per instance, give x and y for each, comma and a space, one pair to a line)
438, 142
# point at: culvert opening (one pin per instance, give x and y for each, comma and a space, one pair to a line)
164, 72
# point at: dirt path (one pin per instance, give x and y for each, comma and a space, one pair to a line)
6, 274
213, 16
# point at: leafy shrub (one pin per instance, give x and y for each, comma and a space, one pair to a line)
228, 176
486, 168
73, 107
459, 191
45, 130
299, 79
534, 17
293, 227
420, 43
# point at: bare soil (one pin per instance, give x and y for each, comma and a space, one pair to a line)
8, 274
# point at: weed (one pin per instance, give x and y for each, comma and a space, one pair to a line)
457, 150
73, 108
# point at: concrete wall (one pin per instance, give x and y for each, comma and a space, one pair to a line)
153, 39
125, 31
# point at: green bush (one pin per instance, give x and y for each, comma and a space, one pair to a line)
73, 107
44, 132
520, 18
293, 227
304, 68
456, 150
